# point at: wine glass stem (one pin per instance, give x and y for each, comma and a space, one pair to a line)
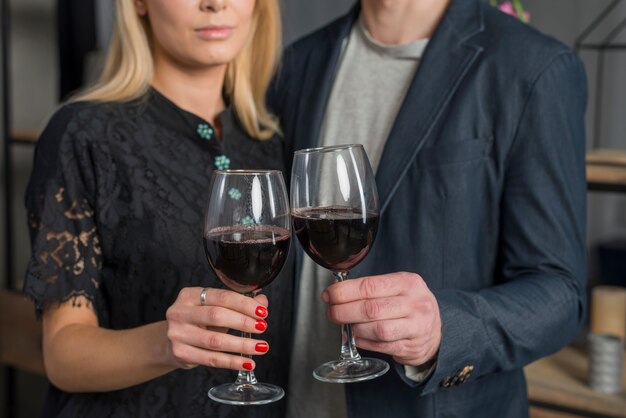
348, 346
246, 376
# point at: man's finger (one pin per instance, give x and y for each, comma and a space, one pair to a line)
368, 310
392, 348
385, 331
381, 286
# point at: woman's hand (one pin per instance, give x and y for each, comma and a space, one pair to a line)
197, 333
395, 314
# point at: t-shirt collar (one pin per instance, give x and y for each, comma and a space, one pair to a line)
412, 50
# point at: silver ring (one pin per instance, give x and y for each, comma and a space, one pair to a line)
203, 296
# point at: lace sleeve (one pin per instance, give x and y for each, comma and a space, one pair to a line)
66, 258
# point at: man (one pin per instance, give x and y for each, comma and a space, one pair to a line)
473, 122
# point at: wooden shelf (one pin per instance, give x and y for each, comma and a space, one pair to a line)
20, 333
606, 170
24, 136
557, 386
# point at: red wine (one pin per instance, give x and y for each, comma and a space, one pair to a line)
337, 238
247, 258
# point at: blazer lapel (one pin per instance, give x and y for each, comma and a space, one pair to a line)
446, 60
318, 81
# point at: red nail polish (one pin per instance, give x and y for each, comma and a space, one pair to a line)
262, 347
261, 325
261, 311
247, 365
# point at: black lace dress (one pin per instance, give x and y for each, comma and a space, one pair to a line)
115, 206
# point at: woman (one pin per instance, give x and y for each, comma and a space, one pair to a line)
115, 207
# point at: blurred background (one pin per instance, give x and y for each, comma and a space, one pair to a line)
55, 46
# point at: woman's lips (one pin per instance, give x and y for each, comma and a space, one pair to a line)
215, 33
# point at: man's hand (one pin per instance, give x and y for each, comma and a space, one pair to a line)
395, 314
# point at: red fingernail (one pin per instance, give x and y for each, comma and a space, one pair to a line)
248, 366
261, 325
262, 347
261, 311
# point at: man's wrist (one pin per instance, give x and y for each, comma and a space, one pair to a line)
422, 372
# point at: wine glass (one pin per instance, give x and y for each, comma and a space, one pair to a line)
335, 217
247, 232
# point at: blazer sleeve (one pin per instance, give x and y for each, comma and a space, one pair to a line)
538, 301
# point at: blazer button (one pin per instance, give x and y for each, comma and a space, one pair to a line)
446, 382
460, 377
466, 371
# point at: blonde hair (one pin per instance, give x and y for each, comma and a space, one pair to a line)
129, 68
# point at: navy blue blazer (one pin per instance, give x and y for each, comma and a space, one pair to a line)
483, 193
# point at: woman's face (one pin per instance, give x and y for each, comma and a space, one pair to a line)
198, 33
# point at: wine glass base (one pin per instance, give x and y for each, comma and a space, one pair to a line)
246, 393
348, 371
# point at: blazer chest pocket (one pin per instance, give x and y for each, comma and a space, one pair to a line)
456, 152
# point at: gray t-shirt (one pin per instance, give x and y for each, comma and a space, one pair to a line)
368, 91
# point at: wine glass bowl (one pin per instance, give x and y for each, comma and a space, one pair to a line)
247, 231
335, 209
246, 258
335, 237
